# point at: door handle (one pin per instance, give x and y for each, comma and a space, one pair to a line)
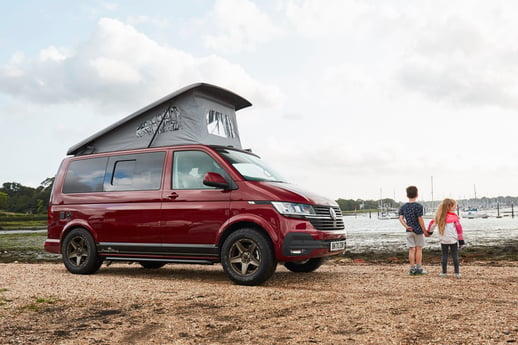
173, 195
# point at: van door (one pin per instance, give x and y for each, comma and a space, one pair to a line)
131, 202
192, 213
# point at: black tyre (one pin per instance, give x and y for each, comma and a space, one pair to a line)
247, 257
151, 264
304, 266
79, 252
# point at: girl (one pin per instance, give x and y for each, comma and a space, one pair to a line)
450, 233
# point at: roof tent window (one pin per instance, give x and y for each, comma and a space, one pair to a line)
85, 176
141, 171
220, 124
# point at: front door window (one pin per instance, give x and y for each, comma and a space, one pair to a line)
190, 167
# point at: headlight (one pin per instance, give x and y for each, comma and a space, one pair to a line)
293, 209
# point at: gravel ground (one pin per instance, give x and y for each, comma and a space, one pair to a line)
341, 303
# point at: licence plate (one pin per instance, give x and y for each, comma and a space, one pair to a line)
337, 245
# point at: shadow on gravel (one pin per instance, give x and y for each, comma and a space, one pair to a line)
212, 275
176, 272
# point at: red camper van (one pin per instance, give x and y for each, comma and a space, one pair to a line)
171, 184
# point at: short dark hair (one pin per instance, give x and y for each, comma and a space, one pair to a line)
411, 192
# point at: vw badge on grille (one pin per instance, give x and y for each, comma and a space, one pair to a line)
332, 213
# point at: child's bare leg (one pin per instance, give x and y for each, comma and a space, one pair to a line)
418, 255
411, 256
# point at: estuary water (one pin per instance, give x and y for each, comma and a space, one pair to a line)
371, 233
364, 233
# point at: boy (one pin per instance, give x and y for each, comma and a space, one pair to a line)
411, 217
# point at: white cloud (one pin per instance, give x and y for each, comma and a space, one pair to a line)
316, 20
239, 26
119, 66
115, 71
52, 53
458, 57
459, 52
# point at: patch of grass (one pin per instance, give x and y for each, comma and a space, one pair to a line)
19, 221
39, 303
23, 224
27, 241
3, 300
47, 300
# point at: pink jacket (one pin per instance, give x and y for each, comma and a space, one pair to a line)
450, 218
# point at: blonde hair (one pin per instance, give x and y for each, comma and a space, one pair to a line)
440, 216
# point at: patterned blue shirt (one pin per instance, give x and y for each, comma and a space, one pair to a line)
412, 211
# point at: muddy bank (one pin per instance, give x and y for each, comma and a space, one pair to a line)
28, 247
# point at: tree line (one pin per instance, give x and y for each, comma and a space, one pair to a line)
14, 197
360, 204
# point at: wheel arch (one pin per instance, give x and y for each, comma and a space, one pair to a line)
80, 224
245, 224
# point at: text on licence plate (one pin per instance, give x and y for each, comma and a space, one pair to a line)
337, 245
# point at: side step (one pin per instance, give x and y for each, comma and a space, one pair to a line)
173, 261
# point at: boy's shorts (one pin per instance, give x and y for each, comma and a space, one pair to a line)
414, 240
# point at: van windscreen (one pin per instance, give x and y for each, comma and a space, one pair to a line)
251, 167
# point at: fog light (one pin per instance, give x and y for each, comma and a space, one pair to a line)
296, 251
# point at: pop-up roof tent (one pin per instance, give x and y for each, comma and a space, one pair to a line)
197, 114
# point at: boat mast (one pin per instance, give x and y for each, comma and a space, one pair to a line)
433, 203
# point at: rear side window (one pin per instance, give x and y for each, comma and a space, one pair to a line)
85, 176
141, 171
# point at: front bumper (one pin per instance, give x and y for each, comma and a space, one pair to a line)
302, 244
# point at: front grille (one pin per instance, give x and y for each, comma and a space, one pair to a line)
323, 221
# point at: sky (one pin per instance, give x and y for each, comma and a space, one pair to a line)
351, 99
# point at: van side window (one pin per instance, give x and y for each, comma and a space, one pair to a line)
123, 173
85, 176
142, 171
190, 167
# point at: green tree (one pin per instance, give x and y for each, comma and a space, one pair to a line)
42, 195
3, 201
25, 199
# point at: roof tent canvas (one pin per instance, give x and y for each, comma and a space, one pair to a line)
197, 114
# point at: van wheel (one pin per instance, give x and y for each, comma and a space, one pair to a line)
304, 266
79, 252
247, 257
151, 264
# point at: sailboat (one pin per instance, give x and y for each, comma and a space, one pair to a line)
473, 212
430, 214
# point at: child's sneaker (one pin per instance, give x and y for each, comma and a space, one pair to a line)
442, 275
457, 275
412, 271
420, 271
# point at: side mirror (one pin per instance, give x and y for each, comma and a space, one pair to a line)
213, 179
